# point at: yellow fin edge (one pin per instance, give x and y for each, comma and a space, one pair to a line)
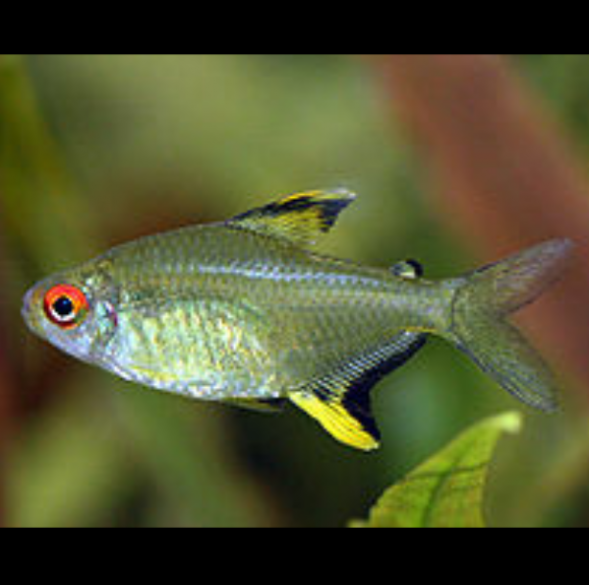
301, 218
336, 420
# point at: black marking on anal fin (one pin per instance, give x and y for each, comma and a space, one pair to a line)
341, 403
356, 402
356, 398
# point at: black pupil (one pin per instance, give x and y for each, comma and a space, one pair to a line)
63, 307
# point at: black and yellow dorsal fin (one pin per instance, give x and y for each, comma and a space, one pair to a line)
301, 218
340, 402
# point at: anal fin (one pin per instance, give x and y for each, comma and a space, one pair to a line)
340, 402
343, 424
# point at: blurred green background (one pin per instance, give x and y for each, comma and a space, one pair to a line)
95, 150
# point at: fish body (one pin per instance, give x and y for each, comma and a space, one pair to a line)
248, 312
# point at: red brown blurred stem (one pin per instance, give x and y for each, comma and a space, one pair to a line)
503, 175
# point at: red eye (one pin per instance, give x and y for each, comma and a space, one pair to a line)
65, 305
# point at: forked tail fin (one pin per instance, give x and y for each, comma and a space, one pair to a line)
479, 326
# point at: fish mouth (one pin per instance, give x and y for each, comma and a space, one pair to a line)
26, 305
29, 315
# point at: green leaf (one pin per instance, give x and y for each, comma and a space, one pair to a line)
446, 490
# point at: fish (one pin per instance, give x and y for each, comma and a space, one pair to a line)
247, 311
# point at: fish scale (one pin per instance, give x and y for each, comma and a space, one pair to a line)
279, 301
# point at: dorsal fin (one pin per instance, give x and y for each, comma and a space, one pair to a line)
340, 402
301, 218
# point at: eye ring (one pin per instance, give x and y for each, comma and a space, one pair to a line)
65, 305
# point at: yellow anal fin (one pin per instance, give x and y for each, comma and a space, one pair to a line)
301, 218
339, 420
340, 401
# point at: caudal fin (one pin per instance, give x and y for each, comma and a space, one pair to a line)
479, 326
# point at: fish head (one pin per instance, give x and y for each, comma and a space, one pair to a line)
75, 311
